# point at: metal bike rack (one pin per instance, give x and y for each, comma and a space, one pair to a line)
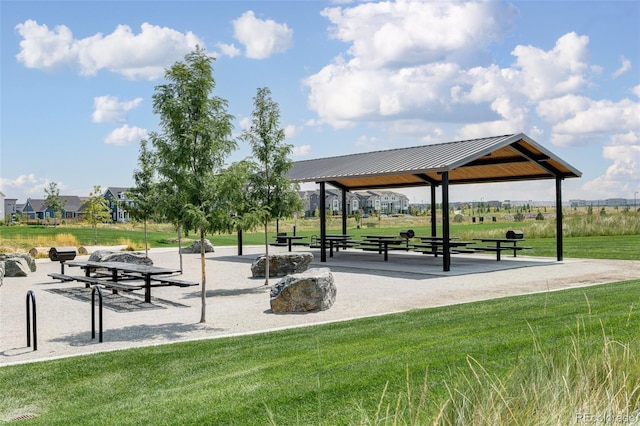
32, 297
93, 313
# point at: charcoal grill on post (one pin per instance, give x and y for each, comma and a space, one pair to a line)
62, 254
407, 234
515, 235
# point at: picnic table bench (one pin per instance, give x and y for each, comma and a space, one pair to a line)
499, 248
382, 244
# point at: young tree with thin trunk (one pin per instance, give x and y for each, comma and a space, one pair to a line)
97, 210
53, 201
191, 150
272, 193
144, 194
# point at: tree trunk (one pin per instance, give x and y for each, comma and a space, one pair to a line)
203, 297
146, 240
180, 246
266, 248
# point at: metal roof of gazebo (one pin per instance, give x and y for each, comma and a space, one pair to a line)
507, 158
495, 159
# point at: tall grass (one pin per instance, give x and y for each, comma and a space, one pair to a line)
596, 382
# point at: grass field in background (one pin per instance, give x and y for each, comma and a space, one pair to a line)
527, 360
615, 236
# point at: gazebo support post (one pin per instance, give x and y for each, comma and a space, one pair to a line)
433, 211
323, 223
446, 253
344, 212
559, 242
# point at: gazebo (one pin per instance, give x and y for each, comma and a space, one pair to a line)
507, 158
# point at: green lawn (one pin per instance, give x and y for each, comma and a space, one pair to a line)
622, 245
330, 374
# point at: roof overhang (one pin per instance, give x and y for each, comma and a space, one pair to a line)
508, 158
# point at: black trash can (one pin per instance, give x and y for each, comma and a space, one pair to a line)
515, 235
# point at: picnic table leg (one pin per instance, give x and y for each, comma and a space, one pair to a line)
330, 248
289, 243
514, 249
147, 288
386, 251
498, 251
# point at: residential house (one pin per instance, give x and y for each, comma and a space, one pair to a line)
385, 202
118, 202
36, 208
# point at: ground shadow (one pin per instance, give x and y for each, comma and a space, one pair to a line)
224, 292
135, 333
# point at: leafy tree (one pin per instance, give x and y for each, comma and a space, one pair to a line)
144, 195
97, 210
272, 193
191, 150
53, 201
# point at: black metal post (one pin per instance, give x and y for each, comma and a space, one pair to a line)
446, 255
239, 242
32, 297
93, 313
344, 212
559, 240
323, 223
433, 211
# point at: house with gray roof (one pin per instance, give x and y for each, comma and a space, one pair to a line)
118, 202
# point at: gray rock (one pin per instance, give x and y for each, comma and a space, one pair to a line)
137, 258
16, 267
309, 291
31, 262
281, 264
195, 247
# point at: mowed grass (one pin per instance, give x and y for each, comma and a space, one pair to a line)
366, 371
610, 237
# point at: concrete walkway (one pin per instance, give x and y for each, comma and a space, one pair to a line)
236, 304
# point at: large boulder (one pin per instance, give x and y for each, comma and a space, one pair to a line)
15, 267
281, 264
309, 291
120, 256
195, 247
29, 260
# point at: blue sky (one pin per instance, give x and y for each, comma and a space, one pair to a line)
77, 80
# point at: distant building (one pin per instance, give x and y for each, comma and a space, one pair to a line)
118, 203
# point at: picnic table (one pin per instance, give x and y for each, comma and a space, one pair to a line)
290, 238
337, 241
381, 244
123, 271
498, 247
434, 245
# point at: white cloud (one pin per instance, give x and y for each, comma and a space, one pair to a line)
291, 131
261, 38
301, 151
555, 72
27, 185
108, 109
578, 119
415, 32
624, 67
125, 135
136, 56
228, 49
